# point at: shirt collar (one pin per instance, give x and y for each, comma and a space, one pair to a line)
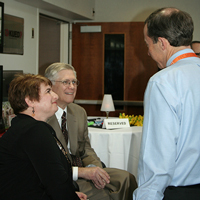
59, 113
178, 54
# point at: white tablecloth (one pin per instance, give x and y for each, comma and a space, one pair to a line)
117, 148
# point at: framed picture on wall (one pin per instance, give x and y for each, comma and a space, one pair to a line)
13, 35
1, 26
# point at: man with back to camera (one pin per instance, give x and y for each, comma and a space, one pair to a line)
97, 183
170, 150
195, 45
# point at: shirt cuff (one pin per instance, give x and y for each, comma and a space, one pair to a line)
91, 165
75, 173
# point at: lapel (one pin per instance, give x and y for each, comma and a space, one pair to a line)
72, 130
55, 125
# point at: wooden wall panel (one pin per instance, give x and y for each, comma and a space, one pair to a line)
94, 110
87, 51
88, 60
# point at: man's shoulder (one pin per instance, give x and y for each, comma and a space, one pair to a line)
162, 75
52, 119
75, 108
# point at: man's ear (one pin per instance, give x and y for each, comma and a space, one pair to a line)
163, 43
29, 102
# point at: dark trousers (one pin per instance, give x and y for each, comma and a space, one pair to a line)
191, 192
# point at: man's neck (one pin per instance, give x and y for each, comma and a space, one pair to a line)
62, 106
174, 50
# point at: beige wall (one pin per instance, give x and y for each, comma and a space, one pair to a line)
105, 11
138, 10
28, 61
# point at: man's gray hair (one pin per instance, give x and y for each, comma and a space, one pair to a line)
52, 70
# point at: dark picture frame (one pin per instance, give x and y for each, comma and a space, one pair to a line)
2, 126
13, 35
1, 26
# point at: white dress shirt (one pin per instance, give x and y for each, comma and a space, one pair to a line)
59, 114
170, 148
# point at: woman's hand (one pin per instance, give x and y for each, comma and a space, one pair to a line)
81, 195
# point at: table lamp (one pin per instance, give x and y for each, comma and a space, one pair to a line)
107, 104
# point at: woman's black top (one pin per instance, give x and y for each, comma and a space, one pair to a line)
32, 166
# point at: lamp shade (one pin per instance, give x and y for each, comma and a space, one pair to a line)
107, 103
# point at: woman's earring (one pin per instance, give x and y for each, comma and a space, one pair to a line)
33, 111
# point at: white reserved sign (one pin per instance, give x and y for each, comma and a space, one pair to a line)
115, 123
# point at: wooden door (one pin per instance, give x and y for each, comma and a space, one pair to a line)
49, 42
88, 60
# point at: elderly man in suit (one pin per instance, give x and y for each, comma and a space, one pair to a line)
93, 180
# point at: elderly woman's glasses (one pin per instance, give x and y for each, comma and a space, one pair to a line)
68, 82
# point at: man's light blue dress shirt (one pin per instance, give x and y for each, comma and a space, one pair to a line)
170, 148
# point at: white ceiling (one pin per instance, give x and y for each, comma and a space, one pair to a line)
54, 9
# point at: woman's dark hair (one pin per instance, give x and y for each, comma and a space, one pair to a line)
170, 23
22, 86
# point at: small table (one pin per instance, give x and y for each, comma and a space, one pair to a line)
118, 148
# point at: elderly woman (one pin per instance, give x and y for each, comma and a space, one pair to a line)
33, 163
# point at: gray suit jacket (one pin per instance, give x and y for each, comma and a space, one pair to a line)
78, 135
121, 184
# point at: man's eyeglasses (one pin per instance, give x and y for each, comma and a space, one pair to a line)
68, 82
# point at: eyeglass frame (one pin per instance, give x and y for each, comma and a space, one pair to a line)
68, 82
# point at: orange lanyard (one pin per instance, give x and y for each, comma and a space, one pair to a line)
185, 55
